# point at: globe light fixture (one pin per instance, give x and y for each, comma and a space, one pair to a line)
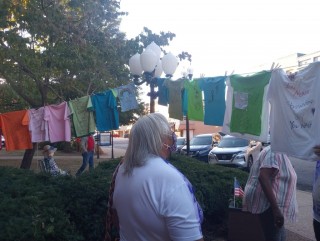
148, 66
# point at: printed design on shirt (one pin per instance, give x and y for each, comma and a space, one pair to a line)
213, 94
303, 107
240, 100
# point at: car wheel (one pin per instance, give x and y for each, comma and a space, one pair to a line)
250, 162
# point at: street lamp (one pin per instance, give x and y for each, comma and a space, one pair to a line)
188, 75
148, 66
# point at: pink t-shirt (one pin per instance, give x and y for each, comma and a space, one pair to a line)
58, 121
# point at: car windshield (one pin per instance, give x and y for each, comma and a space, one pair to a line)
180, 141
233, 142
201, 140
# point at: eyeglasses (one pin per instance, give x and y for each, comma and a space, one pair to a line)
173, 146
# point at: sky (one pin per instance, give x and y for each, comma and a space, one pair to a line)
228, 35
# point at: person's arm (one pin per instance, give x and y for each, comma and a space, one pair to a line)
316, 150
265, 179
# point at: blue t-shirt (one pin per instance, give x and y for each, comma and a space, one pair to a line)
162, 92
127, 97
107, 115
214, 99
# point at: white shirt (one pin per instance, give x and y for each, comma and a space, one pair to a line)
295, 113
154, 203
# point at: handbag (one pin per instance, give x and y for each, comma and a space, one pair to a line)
112, 221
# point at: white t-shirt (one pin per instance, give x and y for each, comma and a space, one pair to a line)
154, 203
295, 113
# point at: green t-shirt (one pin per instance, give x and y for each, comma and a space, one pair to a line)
175, 98
194, 100
82, 119
247, 103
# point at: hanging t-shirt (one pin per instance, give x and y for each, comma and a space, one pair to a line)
37, 125
295, 113
107, 115
263, 137
238, 101
214, 99
16, 133
82, 117
127, 97
162, 92
247, 104
57, 118
175, 98
193, 100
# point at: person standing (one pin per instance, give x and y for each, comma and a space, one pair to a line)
316, 196
151, 198
87, 149
270, 192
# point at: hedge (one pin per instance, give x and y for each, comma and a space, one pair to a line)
36, 206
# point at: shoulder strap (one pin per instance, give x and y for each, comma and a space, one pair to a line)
112, 219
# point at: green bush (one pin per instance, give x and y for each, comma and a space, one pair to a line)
40, 207
213, 186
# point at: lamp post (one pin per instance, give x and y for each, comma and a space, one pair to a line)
189, 75
148, 66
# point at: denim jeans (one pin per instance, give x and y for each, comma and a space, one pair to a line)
271, 232
316, 228
87, 157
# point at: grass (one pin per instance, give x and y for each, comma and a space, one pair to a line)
65, 161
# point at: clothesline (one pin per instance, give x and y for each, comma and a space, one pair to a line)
212, 111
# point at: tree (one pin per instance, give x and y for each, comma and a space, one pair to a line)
53, 51
59, 50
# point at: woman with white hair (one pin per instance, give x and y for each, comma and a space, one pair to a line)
153, 200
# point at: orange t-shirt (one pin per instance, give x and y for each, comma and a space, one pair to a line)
15, 130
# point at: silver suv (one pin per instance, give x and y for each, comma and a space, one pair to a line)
235, 151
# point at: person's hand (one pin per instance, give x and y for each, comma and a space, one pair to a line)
316, 150
278, 217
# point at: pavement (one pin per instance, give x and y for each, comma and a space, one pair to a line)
302, 230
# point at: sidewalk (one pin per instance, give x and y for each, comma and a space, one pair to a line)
303, 229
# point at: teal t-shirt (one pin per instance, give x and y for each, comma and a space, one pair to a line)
105, 107
214, 99
162, 92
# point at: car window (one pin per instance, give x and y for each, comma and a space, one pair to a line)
233, 142
201, 140
180, 141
